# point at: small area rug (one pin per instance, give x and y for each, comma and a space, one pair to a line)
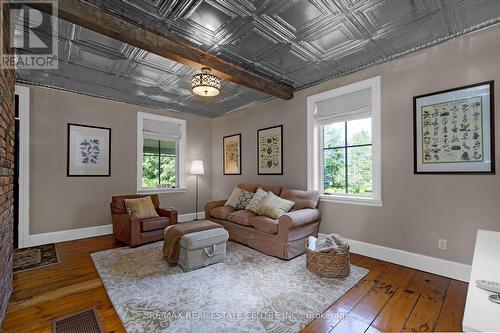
35, 257
249, 292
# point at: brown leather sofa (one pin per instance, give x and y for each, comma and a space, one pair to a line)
283, 238
132, 231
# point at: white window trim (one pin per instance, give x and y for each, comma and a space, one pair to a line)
24, 165
314, 143
181, 154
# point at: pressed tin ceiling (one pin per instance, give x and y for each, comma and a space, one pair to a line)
297, 42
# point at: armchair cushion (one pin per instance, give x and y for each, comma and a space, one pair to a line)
118, 203
142, 208
154, 223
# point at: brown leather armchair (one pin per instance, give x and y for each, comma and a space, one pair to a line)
132, 231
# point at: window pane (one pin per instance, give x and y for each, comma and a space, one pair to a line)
168, 170
334, 170
150, 169
334, 135
359, 162
168, 165
359, 132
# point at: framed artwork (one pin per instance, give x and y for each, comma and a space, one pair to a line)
270, 151
453, 130
89, 151
231, 159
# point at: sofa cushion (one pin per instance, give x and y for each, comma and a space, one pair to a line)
265, 224
154, 223
241, 217
248, 187
302, 199
274, 206
221, 212
243, 200
141, 208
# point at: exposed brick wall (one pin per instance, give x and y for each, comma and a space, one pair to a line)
6, 174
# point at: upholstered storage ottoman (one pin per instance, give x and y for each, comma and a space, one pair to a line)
202, 248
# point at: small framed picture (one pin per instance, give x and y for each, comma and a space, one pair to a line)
454, 130
270, 151
231, 159
89, 151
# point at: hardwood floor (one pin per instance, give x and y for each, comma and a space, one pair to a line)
390, 298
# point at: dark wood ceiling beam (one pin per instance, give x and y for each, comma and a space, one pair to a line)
107, 23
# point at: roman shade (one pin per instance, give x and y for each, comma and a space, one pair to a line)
161, 130
350, 106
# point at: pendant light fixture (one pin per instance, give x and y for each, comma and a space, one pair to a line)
205, 84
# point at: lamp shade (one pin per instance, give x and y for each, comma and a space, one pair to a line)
197, 167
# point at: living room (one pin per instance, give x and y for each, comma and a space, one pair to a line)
342, 116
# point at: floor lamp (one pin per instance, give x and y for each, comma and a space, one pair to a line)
197, 169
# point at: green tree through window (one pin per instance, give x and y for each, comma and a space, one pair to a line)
159, 163
347, 155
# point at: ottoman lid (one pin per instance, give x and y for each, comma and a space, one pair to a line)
201, 239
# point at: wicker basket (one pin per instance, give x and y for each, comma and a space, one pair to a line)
331, 265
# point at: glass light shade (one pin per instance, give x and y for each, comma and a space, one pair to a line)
197, 167
205, 84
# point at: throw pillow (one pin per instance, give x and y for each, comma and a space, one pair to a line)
273, 206
257, 198
234, 197
141, 208
244, 199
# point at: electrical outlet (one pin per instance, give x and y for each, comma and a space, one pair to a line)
442, 244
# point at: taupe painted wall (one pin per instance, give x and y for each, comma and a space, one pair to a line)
58, 202
417, 209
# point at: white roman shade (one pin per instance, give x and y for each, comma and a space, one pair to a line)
350, 106
161, 130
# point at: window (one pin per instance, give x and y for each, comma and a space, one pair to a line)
344, 143
160, 153
159, 163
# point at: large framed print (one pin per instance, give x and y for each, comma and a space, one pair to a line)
89, 151
454, 130
270, 151
231, 156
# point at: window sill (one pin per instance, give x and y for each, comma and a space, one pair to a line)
161, 190
351, 200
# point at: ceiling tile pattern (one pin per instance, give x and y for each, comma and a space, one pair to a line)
298, 42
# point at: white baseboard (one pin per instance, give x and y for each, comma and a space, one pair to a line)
451, 269
68, 235
190, 217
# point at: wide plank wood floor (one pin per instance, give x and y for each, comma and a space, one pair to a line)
390, 298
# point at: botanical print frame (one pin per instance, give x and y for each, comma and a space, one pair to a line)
270, 150
453, 130
231, 154
88, 151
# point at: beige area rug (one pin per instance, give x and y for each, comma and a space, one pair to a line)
249, 292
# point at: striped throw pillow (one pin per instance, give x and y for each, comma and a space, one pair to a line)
273, 206
141, 208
